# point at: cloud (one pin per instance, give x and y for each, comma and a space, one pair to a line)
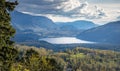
118, 17
72, 10
63, 8
104, 1
118, 13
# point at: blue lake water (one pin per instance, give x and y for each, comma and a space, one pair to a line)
64, 40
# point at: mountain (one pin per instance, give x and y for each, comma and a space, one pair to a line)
30, 27
23, 22
80, 25
108, 33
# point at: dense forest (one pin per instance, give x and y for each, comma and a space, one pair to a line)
24, 58
77, 59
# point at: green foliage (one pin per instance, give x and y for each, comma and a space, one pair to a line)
34, 61
40, 59
77, 59
7, 53
94, 60
6, 30
79, 55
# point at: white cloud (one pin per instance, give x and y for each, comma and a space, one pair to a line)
67, 10
104, 1
112, 11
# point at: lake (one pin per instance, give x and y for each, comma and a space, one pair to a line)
64, 40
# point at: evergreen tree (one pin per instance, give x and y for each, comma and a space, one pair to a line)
7, 52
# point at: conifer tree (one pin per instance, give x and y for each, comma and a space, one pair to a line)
7, 52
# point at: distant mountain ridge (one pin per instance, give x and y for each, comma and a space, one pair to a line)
23, 21
30, 27
80, 24
108, 33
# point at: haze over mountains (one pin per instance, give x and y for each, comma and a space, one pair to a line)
28, 26
35, 23
34, 27
108, 33
81, 24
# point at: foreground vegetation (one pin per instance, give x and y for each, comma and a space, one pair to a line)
23, 58
77, 59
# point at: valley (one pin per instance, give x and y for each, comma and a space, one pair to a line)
59, 36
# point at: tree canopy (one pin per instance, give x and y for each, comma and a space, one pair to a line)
6, 30
7, 52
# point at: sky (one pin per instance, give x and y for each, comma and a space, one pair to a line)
97, 11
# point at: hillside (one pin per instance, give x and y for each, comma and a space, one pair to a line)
80, 24
108, 33
77, 59
32, 28
23, 21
